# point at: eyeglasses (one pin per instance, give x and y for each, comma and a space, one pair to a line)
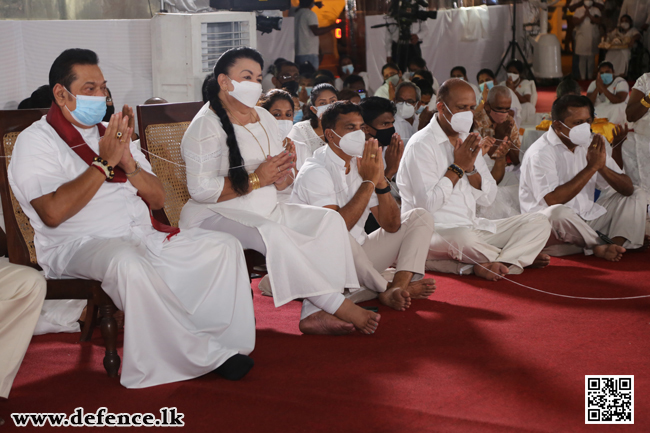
408, 101
361, 91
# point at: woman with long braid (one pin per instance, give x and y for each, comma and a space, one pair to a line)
235, 166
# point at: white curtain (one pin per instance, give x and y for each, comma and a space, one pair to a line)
28, 49
445, 43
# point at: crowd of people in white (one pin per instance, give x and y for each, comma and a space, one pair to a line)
349, 197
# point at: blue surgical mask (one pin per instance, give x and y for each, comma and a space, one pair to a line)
297, 116
347, 69
420, 110
362, 95
490, 84
90, 109
394, 79
607, 78
308, 88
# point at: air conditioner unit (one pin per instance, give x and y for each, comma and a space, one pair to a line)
185, 48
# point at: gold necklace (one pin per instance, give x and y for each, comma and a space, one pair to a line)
258, 142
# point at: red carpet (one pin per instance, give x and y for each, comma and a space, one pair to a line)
476, 357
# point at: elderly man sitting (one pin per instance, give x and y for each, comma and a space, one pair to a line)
559, 176
348, 176
83, 185
407, 103
441, 171
502, 158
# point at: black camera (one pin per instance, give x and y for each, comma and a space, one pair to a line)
268, 24
407, 12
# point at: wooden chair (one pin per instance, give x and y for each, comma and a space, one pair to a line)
20, 244
161, 129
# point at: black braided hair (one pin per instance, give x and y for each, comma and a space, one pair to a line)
237, 174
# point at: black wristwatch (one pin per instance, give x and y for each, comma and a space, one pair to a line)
383, 190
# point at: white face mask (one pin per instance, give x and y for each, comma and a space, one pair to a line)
246, 92
394, 79
284, 127
461, 122
513, 77
579, 135
320, 110
405, 110
625, 25
352, 143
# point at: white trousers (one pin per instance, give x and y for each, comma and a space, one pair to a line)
625, 218
22, 291
186, 311
251, 238
407, 249
517, 242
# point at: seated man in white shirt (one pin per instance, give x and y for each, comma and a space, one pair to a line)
348, 176
442, 172
185, 296
609, 94
559, 176
407, 102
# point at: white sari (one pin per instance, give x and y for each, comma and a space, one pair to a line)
308, 249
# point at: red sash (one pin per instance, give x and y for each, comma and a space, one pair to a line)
73, 138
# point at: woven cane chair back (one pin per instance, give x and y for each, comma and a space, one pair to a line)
164, 145
8, 142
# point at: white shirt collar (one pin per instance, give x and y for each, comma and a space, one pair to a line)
334, 158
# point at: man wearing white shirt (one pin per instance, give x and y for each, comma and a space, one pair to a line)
407, 102
348, 176
559, 176
185, 296
441, 171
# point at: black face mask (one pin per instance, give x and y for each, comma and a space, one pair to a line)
110, 110
291, 87
384, 136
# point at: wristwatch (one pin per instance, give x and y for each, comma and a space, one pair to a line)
383, 190
471, 173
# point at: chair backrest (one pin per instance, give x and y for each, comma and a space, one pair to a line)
161, 130
20, 234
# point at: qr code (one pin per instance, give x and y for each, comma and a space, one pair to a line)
609, 399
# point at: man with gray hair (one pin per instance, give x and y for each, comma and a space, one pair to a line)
442, 171
502, 157
407, 102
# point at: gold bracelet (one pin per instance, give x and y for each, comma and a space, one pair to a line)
254, 181
644, 102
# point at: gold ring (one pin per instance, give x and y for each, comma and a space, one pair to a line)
119, 134
372, 155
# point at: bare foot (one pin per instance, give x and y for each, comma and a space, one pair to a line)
365, 321
422, 289
396, 298
322, 323
610, 252
491, 271
541, 261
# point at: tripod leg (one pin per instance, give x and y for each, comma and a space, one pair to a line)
503, 59
525, 61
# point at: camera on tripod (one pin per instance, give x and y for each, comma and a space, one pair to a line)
407, 12
267, 24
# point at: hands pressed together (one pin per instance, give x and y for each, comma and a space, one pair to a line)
276, 168
371, 164
597, 153
466, 152
114, 146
